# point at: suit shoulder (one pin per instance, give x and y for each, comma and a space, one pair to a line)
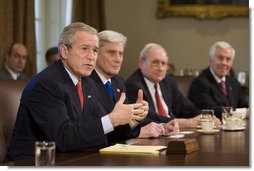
118, 78
169, 79
136, 75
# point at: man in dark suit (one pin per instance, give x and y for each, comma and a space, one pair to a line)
110, 58
14, 63
61, 103
165, 100
215, 87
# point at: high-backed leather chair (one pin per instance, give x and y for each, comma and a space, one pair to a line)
184, 83
10, 93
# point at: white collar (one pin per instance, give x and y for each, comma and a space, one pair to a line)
103, 79
218, 80
73, 78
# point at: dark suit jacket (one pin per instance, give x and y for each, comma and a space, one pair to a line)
50, 110
6, 75
205, 92
178, 105
122, 132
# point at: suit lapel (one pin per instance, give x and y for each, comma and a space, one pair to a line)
104, 97
164, 92
70, 87
88, 97
7, 74
116, 90
230, 93
75, 98
217, 89
146, 91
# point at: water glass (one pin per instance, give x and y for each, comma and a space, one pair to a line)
226, 113
207, 121
45, 153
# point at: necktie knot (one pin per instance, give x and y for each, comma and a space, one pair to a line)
109, 89
80, 93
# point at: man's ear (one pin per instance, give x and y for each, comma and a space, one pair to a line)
141, 62
6, 57
63, 51
210, 59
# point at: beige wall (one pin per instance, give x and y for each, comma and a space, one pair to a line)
187, 40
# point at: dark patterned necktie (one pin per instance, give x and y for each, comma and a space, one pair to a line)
223, 88
160, 107
80, 93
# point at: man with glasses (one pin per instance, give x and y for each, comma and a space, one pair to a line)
160, 90
14, 63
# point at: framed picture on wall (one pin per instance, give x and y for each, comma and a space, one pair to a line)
202, 9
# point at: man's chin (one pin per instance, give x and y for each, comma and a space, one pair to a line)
87, 73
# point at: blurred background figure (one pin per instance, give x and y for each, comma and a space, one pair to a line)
52, 55
216, 85
14, 63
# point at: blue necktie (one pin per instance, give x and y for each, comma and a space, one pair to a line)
109, 89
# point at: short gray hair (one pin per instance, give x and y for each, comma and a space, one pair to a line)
111, 36
145, 51
68, 33
220, 44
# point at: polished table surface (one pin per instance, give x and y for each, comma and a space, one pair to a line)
225, 148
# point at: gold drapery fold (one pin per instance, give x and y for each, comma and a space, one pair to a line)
18, 25
90, 12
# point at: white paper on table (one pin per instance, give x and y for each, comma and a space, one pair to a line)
176, 136
186, 132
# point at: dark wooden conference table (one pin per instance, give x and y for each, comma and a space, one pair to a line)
225, 148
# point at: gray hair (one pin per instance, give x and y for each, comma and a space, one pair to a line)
68, 33
111, 36
220, 44
148, 47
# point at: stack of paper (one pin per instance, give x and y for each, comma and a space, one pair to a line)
132, 149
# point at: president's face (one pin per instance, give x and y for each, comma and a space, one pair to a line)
80, 59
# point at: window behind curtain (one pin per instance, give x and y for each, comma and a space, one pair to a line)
51, 16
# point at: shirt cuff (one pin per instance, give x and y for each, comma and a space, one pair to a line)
106, 124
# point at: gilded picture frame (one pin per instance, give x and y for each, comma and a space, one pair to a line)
166, 8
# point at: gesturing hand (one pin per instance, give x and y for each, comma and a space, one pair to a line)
143, 109
124, 113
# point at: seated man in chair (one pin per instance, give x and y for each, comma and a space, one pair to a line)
165, 100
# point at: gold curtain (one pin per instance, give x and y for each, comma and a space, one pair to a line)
17, 25
90, 12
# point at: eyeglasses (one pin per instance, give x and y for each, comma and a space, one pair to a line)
157, 63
